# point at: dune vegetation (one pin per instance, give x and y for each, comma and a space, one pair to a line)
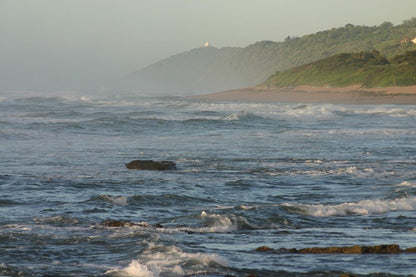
367, 69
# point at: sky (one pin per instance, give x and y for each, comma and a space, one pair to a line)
74, 44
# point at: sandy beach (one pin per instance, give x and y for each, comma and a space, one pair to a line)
310, 94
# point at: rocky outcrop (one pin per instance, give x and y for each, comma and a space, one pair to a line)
264, 249
280, 250
410, 250
151, 165
356, 249
116, 223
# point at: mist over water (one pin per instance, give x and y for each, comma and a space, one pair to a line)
249, 175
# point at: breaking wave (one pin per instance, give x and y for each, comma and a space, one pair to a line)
214, 223
218, 223
364, 207
241, 115
160, 260
390, 111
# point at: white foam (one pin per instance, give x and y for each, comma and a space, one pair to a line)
16, 227
216, 223
311, 112
245, 207
407, 184
159, 260
222, 223
276, 111
134, 269
213, 223
117, 200
394, 112
351, 170
363, 207
238, 116
85, 98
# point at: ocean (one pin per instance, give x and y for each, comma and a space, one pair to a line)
248, 175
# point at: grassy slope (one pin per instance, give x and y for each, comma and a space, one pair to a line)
258, 61
368, 69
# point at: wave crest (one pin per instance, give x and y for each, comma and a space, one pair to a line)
242, 115
364, 207
117, 200
159, 260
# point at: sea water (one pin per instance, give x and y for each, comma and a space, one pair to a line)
249, 174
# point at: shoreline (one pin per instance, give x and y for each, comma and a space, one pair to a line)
309, 94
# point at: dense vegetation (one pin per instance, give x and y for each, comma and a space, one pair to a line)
211, 69
368, 69
256, 62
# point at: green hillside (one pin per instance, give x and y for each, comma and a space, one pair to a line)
209, 69
258, 61
367, 69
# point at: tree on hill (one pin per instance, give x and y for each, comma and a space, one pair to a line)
410, 22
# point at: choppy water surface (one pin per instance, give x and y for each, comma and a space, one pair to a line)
249, 175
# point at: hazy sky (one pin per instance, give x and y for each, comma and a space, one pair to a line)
68, 44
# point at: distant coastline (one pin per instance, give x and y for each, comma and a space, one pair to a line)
372, 56
311, 94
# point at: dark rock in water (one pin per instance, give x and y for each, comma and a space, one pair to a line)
356, 249
347, 275
332, 250
264, 249
116, 223
384, 249
410, 250
151, 165
276, 251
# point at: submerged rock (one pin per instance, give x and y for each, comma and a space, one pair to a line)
264, 249
116, 223
410, 250
356, 249
151, 165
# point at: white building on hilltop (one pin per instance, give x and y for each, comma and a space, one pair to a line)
408, 40
208, 44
